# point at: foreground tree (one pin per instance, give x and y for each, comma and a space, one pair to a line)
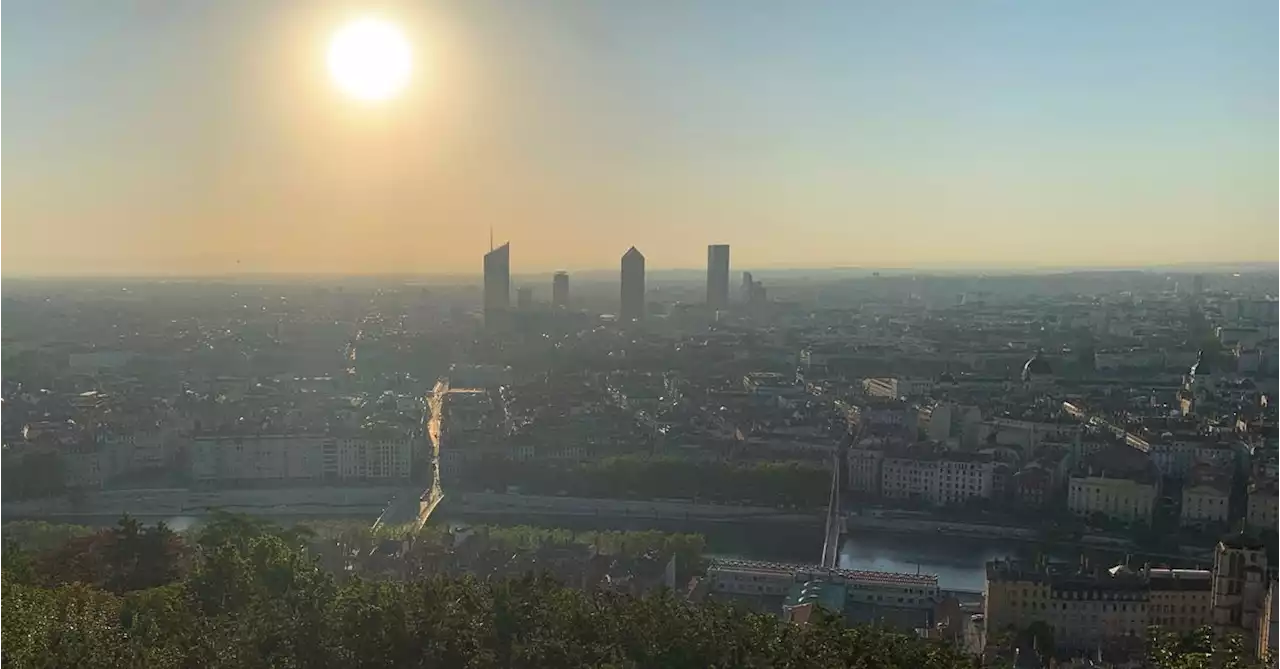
125, 558
253, 599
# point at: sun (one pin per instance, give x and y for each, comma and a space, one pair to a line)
370, 60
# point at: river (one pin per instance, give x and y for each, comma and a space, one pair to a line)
959, 563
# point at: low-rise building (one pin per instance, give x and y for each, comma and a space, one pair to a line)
771, 579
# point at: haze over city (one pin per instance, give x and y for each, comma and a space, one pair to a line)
929, 334
208, 137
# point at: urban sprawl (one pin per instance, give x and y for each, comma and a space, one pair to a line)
1119, 426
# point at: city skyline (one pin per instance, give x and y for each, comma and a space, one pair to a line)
206, 139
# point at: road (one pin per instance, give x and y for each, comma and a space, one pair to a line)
416, 508
431, 497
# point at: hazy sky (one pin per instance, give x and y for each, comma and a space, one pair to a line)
194, 136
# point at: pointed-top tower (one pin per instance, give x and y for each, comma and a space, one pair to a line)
632, 308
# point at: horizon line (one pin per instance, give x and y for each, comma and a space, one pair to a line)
1222, 266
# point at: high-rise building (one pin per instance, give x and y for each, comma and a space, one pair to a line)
560, 290
497, 283
524, 297
718, 276
632, 285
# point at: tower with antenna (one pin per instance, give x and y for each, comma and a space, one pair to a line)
497, 282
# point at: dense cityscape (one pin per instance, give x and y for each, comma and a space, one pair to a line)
737, 334
1113, 433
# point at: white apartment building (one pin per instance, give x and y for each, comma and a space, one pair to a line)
909, 478
298, 457
963, 479
939, 478
1205, 502
1123, 499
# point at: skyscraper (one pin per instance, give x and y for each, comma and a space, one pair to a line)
718, 276
632, 285
560, 290
497, 283
524, 297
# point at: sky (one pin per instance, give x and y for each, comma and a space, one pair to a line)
200, 137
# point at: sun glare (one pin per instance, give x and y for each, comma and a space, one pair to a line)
370, 60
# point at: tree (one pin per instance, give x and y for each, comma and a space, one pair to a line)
253, 600
1201, 649
126, 558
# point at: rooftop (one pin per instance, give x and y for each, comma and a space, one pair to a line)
850, 574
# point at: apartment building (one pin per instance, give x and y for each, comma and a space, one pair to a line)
1206, 498
1125, 499
928, 473
1118, 482
299, 457
1030, 433
1175, 455
1087, 607
1261, 512
864, 470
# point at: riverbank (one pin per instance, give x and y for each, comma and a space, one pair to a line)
373, 501
767, 527
168, 502
499, 504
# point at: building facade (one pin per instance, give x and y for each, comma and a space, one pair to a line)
299, 458
632, 307
560, 290
864, 475
1206, 498
936, 477
1127, 500
497, 283
718, 276
1261, 512
769, 579
1089, 608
